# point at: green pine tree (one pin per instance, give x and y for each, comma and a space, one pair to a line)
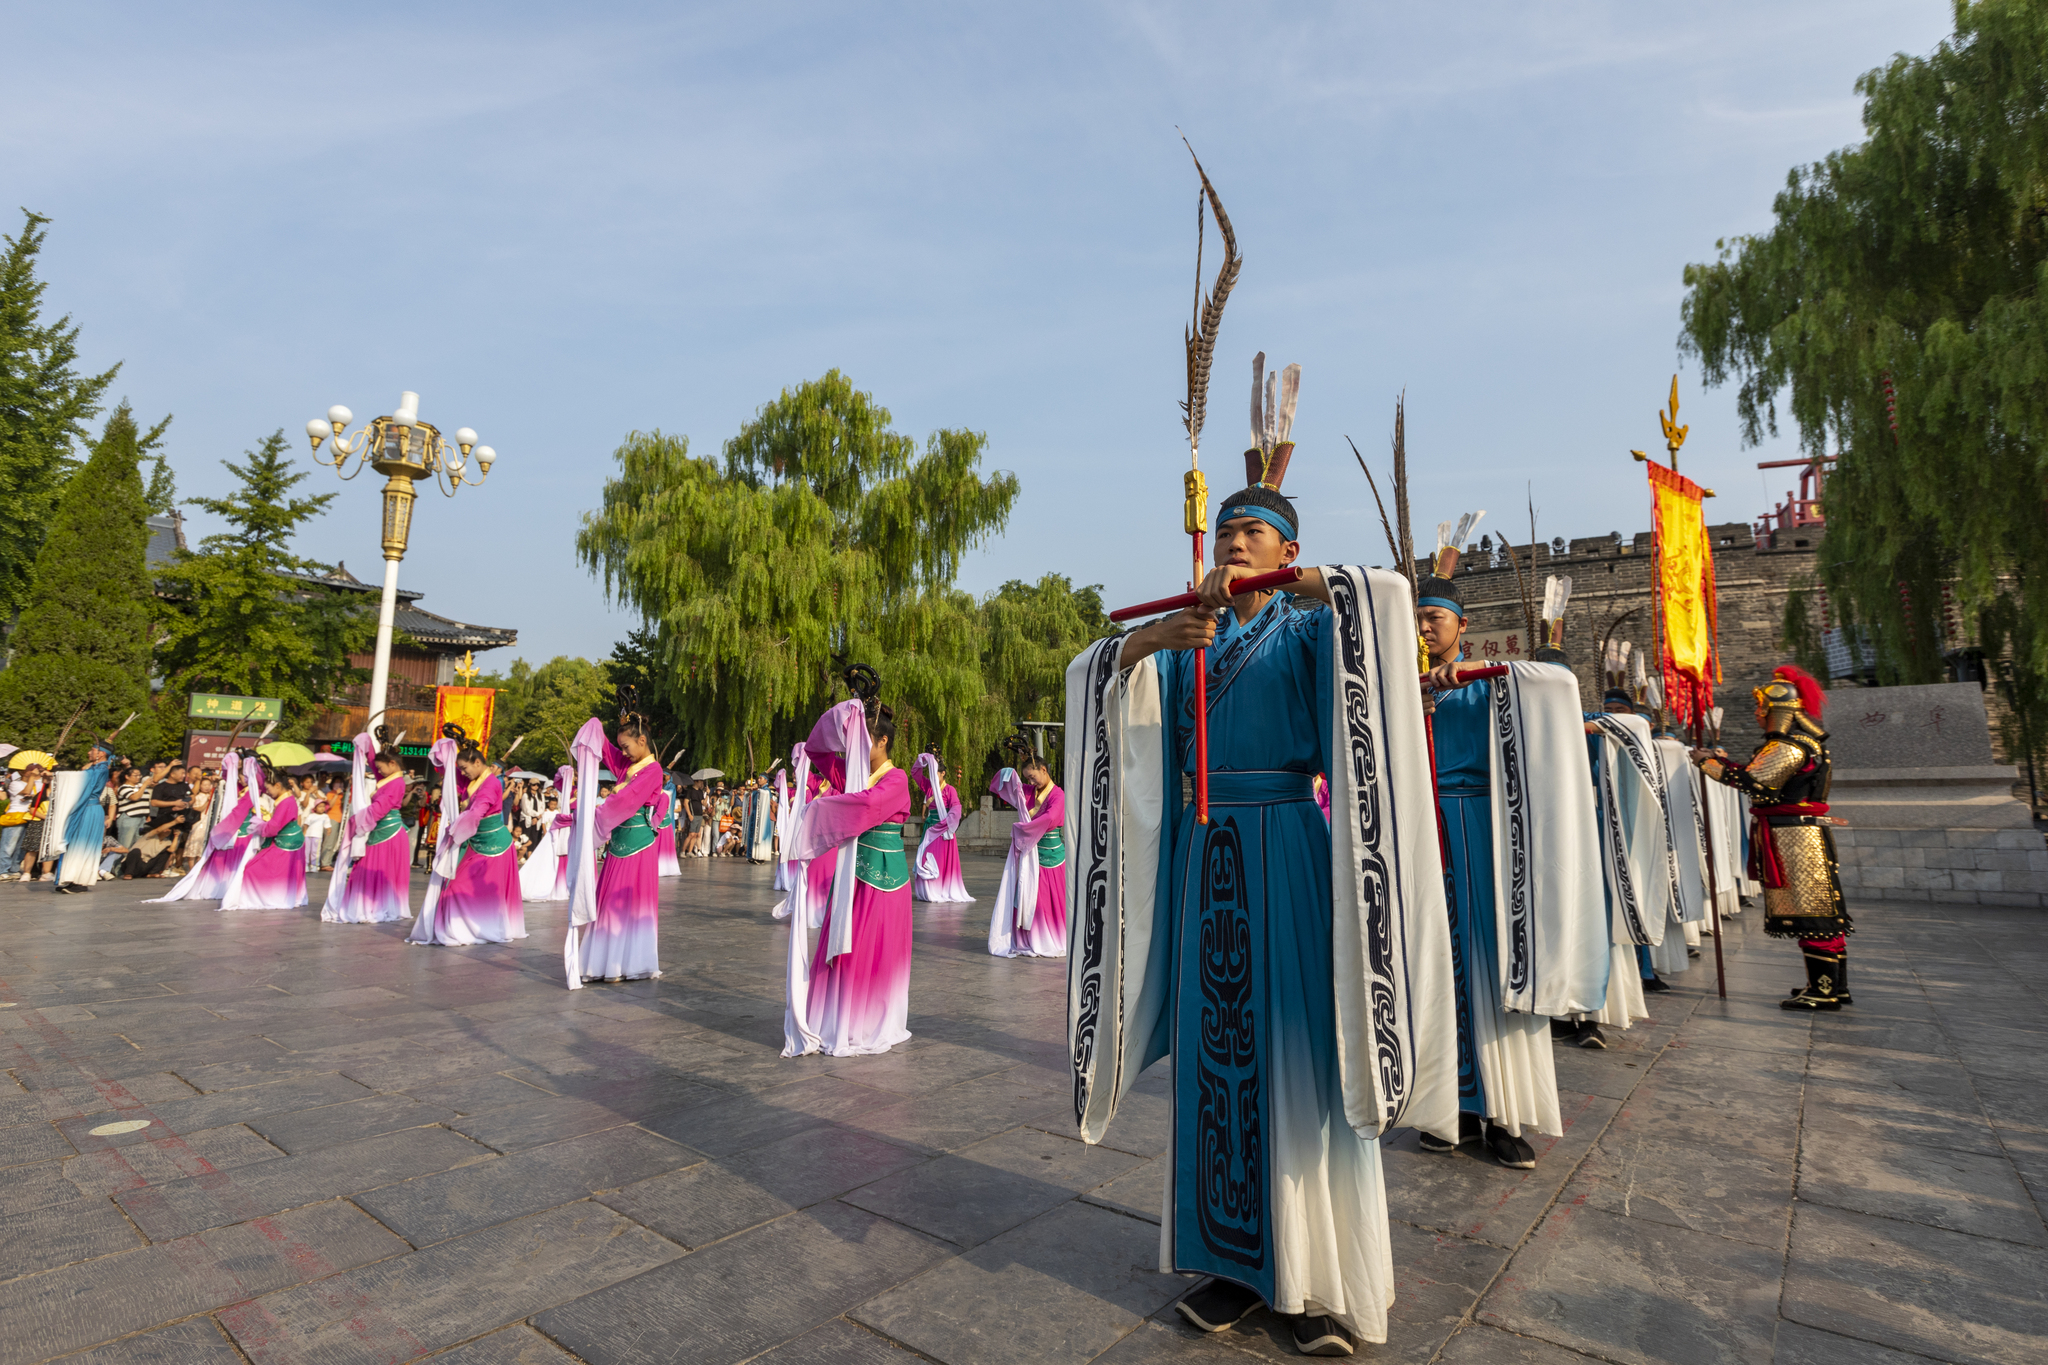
45, 405
242, 620
84, 636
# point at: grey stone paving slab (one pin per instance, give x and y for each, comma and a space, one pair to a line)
96, 1301
1801, 1345
1469, 1193
744, 1295
334, 1124
1140, 1192
1920, 1289
1063, 1287
1629, 1290
1590, 1071
1961, 1191
1710, 1188
198, 1341
32, 1142
838, 1342
919, 1072
179, 1207
1140, 1126
961, 1115
50, 1222
512, 1346
215, 1111
436, 1207
1480, 1344
114, 1170
715, 1199
476, 1094
973, 1194
411, 1305
2010, 1102
551, 1118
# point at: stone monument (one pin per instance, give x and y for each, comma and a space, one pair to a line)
1931, 816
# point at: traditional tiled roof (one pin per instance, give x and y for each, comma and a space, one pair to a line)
423, 625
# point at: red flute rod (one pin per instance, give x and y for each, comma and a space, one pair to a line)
1279, 578
1479, 674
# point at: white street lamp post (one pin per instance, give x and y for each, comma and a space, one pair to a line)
403, 448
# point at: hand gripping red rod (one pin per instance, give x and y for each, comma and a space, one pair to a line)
1264, 582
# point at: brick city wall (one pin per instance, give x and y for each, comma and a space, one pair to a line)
1611, 579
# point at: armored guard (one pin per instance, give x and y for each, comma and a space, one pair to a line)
1792, 847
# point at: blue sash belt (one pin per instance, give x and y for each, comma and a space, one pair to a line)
1260, 787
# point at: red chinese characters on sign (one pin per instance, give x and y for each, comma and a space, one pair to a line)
1502, 648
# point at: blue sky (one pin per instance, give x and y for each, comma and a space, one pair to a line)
561, 223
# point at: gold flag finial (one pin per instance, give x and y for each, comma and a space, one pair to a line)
1674, 435
467, 670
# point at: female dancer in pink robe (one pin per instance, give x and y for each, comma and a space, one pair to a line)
621, 944
667, 863
1035, 875
476, 872
935, 871
857, 995
273, 876
377, 881
232, 832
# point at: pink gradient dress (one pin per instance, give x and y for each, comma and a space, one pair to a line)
481, 902
219, 867
860, 1000
275, 876
669, 865
949, 886
379, 888
1040, 834
621, 943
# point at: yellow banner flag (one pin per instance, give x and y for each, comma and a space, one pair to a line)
1685, 592
469, 707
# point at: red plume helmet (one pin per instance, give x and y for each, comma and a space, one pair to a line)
1811, 695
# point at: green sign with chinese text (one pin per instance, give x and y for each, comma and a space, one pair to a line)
211, 706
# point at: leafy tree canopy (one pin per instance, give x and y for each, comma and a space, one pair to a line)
822, 538
45, 404
240, 617
84, 637
1896, 310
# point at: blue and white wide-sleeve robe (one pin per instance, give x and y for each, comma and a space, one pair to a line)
1297, 972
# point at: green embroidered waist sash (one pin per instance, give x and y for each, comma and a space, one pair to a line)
1052, 847
878, 858
491, 838
291, 838
390, 827
632, 834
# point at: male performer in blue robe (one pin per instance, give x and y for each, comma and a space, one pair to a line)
1529, 928
1296, 970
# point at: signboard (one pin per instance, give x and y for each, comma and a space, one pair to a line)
212, 706
1500, 647
203, 748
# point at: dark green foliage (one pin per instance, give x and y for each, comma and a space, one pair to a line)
548, 705
1799, 633
1910, 269
238, 622
84, 636
1031, 632
636, 663
45, 405
822, 539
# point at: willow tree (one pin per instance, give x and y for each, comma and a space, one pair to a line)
822, 538
1030, 633
1897, 309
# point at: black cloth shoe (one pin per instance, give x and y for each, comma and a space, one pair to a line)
1589, 1035
1321, 1336
1823, 975
1219, 1304
1562, 1028
1508, 1149
1653, 984
1430, 1142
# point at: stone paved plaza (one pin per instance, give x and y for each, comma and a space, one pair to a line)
364, 1151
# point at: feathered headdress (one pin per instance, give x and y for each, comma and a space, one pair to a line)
1557, 595
1273, 401
1450, 543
